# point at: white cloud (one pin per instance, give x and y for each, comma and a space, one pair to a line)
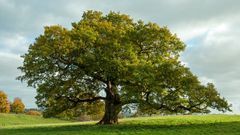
13, 43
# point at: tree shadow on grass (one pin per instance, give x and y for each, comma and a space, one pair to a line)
224, 128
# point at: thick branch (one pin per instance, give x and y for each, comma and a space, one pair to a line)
130, 101
86, 100
68, 63
176, 108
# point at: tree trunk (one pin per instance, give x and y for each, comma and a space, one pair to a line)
111, 113
112, 106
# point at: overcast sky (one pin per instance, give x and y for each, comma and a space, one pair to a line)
210, 29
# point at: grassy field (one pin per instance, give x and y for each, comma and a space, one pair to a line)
13, 120
167, 125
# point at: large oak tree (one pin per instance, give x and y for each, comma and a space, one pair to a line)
116, 60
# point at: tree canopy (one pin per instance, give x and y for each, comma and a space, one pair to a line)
117, 60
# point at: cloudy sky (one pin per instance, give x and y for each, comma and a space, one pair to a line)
210, 30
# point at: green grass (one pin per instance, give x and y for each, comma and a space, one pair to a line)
167, 125
13, 120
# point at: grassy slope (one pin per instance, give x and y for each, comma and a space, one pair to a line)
168, 125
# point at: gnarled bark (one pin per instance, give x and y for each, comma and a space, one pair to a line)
112, 106
111, 113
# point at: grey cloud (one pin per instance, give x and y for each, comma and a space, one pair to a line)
9, 63
215, 55
166, 12
16, 44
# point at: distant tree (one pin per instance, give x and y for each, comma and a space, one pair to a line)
114, 59
4, 103
17, 106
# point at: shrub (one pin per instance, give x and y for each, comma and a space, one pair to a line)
35, 113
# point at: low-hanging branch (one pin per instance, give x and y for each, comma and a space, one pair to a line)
77, 100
